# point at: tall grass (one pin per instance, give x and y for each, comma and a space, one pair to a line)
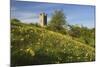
31, 45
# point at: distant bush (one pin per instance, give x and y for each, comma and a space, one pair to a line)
35, 24
83, 34
15, 20
31, 45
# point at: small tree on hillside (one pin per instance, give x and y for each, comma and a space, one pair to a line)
58, 22
15, 20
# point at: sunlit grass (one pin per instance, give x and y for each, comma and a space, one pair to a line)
35, 45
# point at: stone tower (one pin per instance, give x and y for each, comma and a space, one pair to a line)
43, 19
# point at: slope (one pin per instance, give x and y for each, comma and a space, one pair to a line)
35, 45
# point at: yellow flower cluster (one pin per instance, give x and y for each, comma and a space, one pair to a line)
29, 50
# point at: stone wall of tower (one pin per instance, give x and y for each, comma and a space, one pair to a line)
43, 19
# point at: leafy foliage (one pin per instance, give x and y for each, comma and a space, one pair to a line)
58, 21
15, 20
31, 45
83, 34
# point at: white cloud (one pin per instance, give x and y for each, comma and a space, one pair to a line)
24, 16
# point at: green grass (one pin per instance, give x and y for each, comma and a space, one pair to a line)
31, 45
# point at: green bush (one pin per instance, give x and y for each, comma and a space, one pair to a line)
83, 34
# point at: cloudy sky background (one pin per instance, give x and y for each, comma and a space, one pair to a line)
76, 14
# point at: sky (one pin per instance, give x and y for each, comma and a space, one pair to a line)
28, 12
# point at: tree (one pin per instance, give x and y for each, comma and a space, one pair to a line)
58, 22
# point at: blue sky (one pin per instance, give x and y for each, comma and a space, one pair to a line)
75, 14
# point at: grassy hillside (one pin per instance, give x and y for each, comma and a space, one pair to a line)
35, 45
